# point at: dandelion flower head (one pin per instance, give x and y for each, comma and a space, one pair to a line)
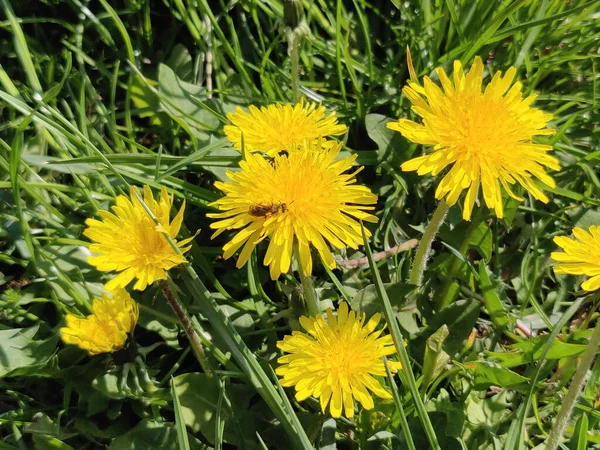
336, 360
580, 256
129, 241
298, 199
276, 127
106, 329
484, 137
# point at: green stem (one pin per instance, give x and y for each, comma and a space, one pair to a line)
310, 296
293, 41
576, 384
408, 375
187, 327
420, 262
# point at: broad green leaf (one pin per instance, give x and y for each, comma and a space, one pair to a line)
20, 355
389, 142
435, 359
177, 100
199, 397
486, 374
531, 350
454, 411
366, 299
149, 435
43, 442
579, 440
493, 303
459, 317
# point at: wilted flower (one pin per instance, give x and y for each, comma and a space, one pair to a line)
335, 360
484, 137
106, 329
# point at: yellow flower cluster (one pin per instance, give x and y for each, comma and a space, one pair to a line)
128, 242
301, 196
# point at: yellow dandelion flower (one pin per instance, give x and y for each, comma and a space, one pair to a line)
485, 138
106, 329
298, 199
129, 242
580, 256
278, 127
335, 360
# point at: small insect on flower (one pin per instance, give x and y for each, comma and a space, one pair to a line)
130, 242
484, 138
105, 330
580, 256
265, 210
336, 360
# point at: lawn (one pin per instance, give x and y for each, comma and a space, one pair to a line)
273, 224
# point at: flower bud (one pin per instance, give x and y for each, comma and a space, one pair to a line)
293, 13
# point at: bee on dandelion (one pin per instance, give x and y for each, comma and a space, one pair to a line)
301, 199
275, 128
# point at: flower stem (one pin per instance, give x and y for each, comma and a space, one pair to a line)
293, 44
420, 262
576, 384
187, 326
310, 296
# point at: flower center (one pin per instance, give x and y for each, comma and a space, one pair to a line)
478, 127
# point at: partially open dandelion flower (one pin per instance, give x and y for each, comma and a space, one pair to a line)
580, 256
129, 241
298, 199
106, 329
336, 360
486, 137
278, 127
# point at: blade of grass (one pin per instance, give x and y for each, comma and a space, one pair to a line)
400, 347
182, 436
515, 438
22, 49
403, 422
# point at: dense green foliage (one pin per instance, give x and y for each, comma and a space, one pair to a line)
97, 94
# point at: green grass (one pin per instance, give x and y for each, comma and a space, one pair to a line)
96, 96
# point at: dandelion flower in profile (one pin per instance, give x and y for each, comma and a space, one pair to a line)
276, 127
336, 360
129, 242
580, 256
106, 329
484, 137
298, 199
